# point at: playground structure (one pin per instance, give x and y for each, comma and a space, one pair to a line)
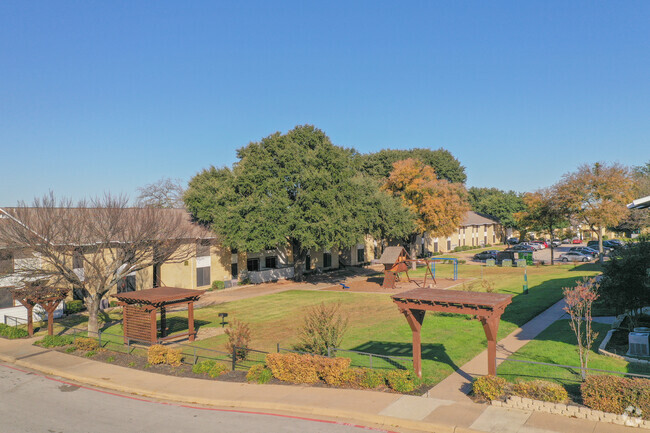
396, 260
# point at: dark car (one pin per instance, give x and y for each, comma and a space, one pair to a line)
484, 255
512, 241
612, 245
585, 250
606, 246
518, 248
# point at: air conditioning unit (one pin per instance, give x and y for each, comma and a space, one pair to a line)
639, 344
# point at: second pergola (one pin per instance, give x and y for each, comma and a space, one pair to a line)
487, 307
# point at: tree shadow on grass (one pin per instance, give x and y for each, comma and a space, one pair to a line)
430, 352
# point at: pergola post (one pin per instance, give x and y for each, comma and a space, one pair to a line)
154, 327
163, 322
491, 327
415, 319
49, 307
30, 316
190, 319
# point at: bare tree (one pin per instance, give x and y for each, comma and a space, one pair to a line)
95, 244
164, 193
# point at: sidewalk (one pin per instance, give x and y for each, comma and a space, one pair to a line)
393, 411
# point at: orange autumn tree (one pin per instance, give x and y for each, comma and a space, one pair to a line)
439, 205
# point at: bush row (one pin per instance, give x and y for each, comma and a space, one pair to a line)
72, 307
493, 388
210, 368
615, 394
55, 341
12, 332
297, 368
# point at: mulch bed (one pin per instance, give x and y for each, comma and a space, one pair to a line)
185, 370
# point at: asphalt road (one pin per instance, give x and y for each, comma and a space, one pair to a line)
31, 402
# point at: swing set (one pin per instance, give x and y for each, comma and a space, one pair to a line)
397, 261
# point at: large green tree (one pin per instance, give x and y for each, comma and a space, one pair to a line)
296, 188
498, 204
380, 164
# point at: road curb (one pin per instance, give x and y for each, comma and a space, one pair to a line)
384, 421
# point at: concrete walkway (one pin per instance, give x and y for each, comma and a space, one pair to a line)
459, 384
392, 411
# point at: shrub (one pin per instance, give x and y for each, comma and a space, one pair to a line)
70, 349
113, 303
489, 387
11, 332
110, 359
85, 344
363, 378
218, 285
541, 390
259, 373
159, 354
210, 367
55, 341
90, 354
614, 394
331, 370
72, 307
239, 337
292, 367
323, 327
401, 380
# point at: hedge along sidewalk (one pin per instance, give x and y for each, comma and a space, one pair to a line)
387, 409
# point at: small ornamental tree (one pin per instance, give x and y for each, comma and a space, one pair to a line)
579, 301
239, 338
323, 327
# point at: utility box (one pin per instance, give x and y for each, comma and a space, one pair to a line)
639, 343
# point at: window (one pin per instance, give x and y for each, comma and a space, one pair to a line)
448, 244
327, 260
6, 262
233, 251
6, 299
203, 276
361, 255
234, 271
126, 284
308, 262
253, 265
435, 246
203, 249
271, 262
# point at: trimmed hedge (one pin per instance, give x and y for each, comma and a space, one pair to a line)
209, 367
541, 390
293, 367
55, 341
159, 354
614, 394
401, 380
72, 307
11, 332
259, 373
86, 344
489, 387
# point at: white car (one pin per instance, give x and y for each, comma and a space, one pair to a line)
574, 256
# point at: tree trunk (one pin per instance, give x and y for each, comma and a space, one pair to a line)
552, 247
413, 250
601, 255
299, 256
92, 304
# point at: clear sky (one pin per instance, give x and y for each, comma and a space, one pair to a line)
108, 96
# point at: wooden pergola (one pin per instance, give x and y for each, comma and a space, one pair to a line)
141, 308
47, 297
487, 307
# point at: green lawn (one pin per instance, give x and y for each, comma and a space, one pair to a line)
557, 345
375, 324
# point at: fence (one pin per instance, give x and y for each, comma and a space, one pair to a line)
14, 320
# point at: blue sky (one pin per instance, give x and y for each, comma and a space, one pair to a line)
109, 96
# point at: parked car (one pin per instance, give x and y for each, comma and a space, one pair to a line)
585, 250
566, 241
484, 255
574, 256
521, 247
534, 246
556, 243
606, 246
512, 241
576, 241
609, 244
541, 243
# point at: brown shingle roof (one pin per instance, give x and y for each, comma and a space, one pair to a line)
475, 219
391, 254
